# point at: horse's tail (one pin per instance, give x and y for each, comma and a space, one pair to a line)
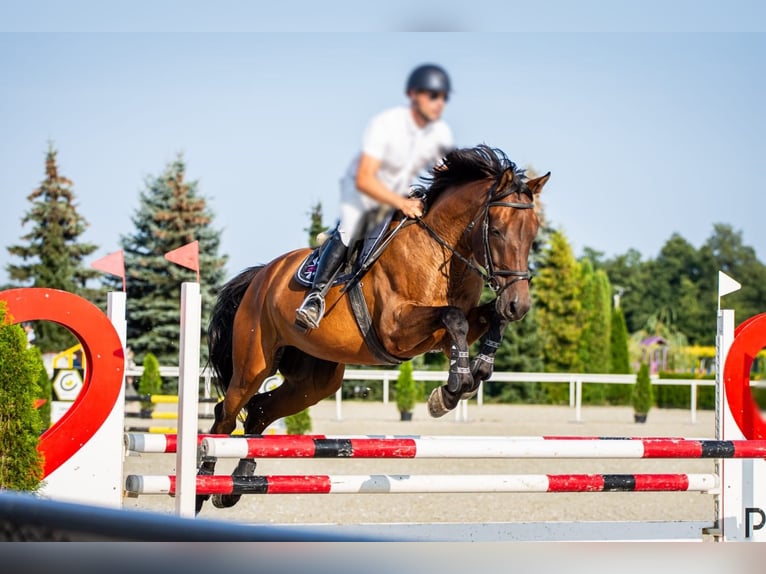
221, 327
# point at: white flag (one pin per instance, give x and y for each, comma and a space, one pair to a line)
726, 284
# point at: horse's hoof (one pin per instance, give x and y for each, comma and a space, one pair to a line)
436, 406
225, 500
469, 394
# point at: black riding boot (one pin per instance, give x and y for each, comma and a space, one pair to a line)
312, 310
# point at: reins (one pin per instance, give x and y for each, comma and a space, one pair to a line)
489, 273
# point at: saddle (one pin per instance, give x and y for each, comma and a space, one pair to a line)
362, 254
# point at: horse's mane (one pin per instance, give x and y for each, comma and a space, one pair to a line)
465, 165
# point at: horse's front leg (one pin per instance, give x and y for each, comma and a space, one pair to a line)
445, 398
483, 364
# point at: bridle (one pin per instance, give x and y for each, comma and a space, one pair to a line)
489, 271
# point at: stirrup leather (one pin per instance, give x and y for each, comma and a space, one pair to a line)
303, 314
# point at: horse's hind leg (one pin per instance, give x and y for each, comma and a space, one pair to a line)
307, 380
238, 394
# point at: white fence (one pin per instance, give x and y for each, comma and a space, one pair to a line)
387, 376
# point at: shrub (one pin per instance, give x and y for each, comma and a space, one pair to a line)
643, 398
405, 388
150, 382
45, 390
21, 464
299, 423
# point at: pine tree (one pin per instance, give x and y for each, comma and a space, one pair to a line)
558, 289
171, 214
315, 226
53, 254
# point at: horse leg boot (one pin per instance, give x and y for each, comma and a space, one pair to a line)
310, 313
484, 363
445, 398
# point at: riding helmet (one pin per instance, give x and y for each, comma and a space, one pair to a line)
428, 77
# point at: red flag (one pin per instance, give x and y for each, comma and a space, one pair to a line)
186, 256
114, 264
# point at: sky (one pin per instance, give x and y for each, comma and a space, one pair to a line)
649, 125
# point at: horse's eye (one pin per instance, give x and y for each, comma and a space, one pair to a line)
495, 232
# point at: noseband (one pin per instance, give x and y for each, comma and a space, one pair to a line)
490, 273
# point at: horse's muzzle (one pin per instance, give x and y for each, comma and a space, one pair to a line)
512, 305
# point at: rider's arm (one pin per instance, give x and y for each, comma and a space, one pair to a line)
368, 183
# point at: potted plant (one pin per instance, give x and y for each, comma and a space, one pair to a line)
405, 391
299, 423
149, 384
643, 397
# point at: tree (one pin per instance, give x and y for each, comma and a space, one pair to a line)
315, 226
21, 464
171, 213
558, 289
619, 359
619, 362
725, 250
630, 276
52, 252
596, 327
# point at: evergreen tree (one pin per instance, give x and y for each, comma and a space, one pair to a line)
558, 289
619, 361
315, 226
619, 358
21, 464
52, 252
596, 325
521, 351
171, 214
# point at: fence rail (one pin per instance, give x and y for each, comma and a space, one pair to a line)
387, 376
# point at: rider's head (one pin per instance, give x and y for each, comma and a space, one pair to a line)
428, 88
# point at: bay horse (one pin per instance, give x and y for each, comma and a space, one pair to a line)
421, 294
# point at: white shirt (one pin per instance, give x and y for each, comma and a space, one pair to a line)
403, 148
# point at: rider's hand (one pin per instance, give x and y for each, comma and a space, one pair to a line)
412, 207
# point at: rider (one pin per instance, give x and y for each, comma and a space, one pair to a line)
398, 144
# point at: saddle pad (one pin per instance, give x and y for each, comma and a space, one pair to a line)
307, 269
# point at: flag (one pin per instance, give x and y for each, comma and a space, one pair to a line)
186, 256
114, 264
726, 284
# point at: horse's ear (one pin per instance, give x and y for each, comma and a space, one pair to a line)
505, 179
536, 185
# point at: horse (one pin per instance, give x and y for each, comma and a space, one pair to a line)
422, 294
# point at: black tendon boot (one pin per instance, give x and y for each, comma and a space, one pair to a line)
311, 311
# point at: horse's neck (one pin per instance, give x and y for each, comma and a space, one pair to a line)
432, 264
455, 211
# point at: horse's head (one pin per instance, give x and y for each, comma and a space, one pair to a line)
502, 241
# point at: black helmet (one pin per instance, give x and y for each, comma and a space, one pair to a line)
428, 77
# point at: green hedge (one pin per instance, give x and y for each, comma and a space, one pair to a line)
679, 396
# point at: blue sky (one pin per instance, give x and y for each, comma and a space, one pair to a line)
646, 133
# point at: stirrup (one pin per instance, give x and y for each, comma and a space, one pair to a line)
302, 313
